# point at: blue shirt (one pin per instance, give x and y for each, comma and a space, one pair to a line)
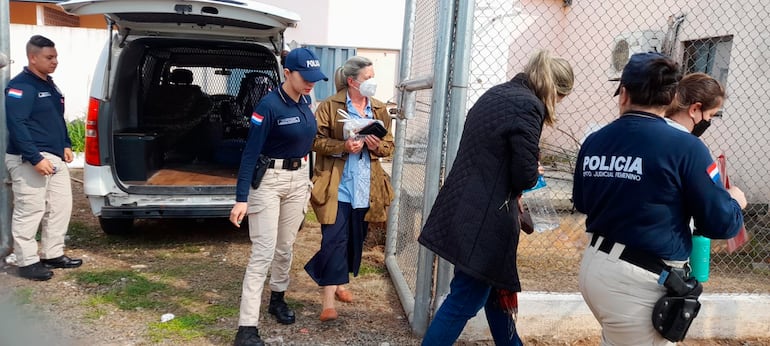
280, 129
356, 176
639, 181
34, 109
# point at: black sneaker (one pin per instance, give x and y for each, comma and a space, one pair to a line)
35, 271
248, 336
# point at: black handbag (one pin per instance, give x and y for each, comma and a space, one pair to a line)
259, 171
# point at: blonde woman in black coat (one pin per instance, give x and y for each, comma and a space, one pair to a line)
474, 222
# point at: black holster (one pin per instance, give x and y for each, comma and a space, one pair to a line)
259, 171
673, 313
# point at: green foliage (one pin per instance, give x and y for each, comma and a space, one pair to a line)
77, 132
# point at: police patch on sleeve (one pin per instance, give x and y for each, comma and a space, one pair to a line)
713, 173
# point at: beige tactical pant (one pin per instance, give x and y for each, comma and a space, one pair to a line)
275, 213
621, 297
39, 201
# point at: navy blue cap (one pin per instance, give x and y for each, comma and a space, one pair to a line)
305, 62
637, 70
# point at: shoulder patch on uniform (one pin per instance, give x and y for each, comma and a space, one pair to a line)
713, 172
256, 119
15, 93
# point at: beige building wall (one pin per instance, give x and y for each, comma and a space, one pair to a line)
385, 71
584, 34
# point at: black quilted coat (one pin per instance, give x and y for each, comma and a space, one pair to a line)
474, 222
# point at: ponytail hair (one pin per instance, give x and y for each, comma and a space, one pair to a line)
550, 77
696, 87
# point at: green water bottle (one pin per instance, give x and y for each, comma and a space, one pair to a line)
700, 257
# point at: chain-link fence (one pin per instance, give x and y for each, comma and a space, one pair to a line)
726, 39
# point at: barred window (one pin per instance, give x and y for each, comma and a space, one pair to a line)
710, 56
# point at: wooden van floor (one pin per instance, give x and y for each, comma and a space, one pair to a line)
193, 175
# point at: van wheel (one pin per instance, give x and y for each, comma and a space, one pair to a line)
116, 226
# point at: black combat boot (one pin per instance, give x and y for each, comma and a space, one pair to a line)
248, 336
280, 309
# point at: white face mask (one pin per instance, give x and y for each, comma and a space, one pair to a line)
368, 87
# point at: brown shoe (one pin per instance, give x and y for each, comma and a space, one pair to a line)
344, 296
328, 315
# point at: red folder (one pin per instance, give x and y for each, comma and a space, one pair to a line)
742, 237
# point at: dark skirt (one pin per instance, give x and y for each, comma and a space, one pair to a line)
342, 244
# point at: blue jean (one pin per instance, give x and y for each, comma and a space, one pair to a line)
467, 296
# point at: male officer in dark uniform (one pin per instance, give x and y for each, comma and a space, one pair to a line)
38, 148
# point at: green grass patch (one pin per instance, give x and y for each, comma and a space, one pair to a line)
96, 307
367, 269
80, 232
190, 248
22, 296
186, 327
219, 311
310, 217
126, 289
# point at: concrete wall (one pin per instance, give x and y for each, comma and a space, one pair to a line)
565, 315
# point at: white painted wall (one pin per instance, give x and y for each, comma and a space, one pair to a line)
385, 64
78, 51
347, 23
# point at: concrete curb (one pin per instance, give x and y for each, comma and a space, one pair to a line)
565, 315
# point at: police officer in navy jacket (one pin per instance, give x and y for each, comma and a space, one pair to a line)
639, 181
38, 150
282, 131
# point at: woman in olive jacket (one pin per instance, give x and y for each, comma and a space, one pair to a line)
474, 223
348, 192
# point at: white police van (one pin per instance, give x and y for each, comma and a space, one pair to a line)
170, 101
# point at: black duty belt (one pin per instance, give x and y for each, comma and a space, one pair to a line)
638, 258
288, 164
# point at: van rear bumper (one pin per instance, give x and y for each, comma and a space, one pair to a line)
162, 212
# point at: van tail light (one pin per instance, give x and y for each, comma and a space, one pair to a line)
93, 156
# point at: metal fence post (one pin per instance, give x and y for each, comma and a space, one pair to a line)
5, 189
391, 237
434, 157
457, 103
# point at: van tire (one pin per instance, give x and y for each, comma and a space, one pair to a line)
116, 226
